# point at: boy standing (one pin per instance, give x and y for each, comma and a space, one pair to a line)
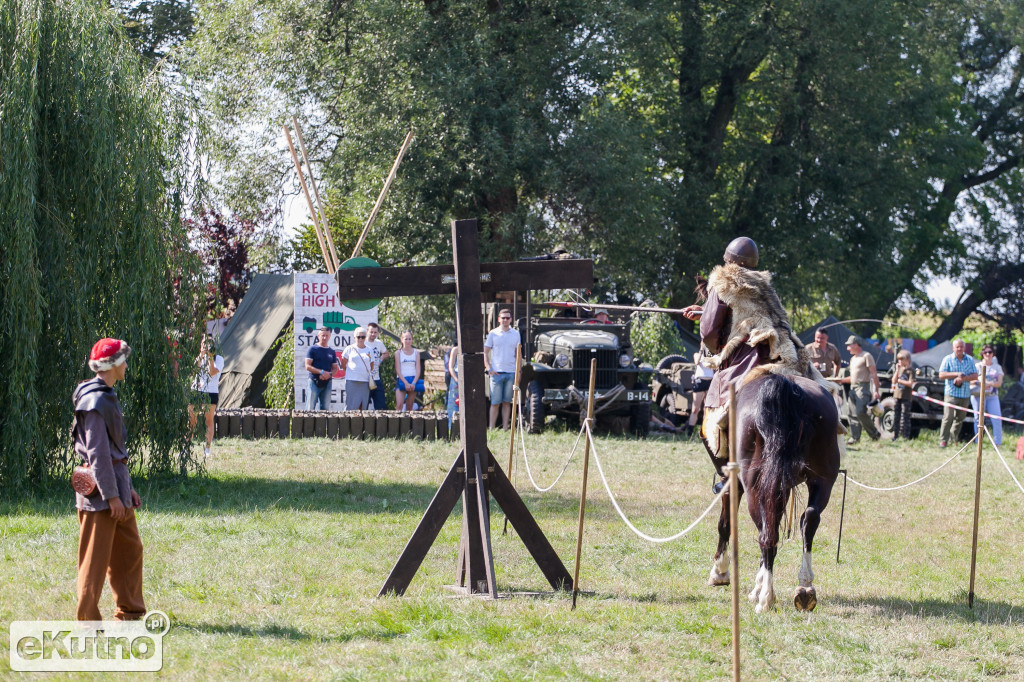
108, 540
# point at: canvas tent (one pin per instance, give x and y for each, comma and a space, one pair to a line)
266, 310
933, 356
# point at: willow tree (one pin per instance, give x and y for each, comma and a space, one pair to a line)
90, 174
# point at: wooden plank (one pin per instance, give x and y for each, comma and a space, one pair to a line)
438, 511
433, 280
526, 527
483, 502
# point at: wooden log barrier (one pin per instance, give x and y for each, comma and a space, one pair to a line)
259, 424
320, 425
298, 423
381, 423
404, 425
344, 426
221, 426
356, 421
234, 425
417, 426
332, 426
308, 425
248, 424
393, 424
442, 427
284, 425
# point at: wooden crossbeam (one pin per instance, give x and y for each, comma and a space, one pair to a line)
432, 280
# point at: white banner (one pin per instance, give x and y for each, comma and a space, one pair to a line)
317, 305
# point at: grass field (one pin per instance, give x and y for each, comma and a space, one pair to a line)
270, 564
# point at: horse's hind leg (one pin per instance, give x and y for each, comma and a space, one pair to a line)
768, 538
720, 563
806, 598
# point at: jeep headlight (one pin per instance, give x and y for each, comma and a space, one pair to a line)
921, 390
561, 361
625, 360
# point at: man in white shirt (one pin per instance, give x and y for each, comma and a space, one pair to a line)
500, 363
379, 352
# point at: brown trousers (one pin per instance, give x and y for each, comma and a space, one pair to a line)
109, 548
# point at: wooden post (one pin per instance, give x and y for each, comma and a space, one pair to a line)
734, 499
328, 237
583, 490
383, 192
309, 202
977, 488
515, 412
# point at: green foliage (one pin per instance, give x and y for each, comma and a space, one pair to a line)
654, 335
90, 178
280, 393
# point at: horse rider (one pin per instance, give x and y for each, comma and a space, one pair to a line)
743, 326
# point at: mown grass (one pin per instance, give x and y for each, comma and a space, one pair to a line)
270, 566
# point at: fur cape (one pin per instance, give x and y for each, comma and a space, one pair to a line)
757, 317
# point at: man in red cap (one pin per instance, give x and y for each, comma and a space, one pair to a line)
108, 540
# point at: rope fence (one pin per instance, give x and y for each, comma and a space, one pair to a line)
907, 485
625, 519
971, 410
1003, 459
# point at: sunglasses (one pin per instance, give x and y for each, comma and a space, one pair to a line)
988, 352
361, 336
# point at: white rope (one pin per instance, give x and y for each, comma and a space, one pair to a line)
907, 485
633, 528
526, 460
1003, 460
971, 410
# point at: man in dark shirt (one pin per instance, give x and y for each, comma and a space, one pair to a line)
321, 363
108, 540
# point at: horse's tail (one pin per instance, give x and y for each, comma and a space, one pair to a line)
779, 417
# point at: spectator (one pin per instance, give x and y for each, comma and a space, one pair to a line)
824, 355
321, 363
959, 371
864, 389
453, 383
601, 315
379, 353
902, 384
408, 368
108, 538
993, 380
206, 388
500, 363
358, 359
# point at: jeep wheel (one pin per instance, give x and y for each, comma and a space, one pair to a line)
886, 424
640, 416
669, 360
534, 407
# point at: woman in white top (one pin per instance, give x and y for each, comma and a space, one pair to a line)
206, 388
993, 380
407, 366
357, 360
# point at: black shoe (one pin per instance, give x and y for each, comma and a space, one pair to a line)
717, 487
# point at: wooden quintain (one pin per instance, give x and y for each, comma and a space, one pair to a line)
475, 474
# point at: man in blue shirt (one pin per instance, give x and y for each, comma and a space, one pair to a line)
321, 363
958, 370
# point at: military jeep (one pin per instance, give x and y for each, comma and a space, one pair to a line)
557, 378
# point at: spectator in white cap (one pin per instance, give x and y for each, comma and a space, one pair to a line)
357, 359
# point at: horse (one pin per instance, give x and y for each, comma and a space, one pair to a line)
786, 431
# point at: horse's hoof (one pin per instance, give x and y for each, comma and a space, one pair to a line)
754, 596
805, 599
716, 579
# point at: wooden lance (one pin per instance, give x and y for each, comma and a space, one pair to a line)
583, 491
512, 424
977, 487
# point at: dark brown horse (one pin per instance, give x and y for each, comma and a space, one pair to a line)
787, 435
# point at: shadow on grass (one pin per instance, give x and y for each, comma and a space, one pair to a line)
984, 610
286, 633
240, 494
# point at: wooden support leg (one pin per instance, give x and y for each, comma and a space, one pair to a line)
526, 526
438, 511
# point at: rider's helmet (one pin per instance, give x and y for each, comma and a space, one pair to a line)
741, 251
